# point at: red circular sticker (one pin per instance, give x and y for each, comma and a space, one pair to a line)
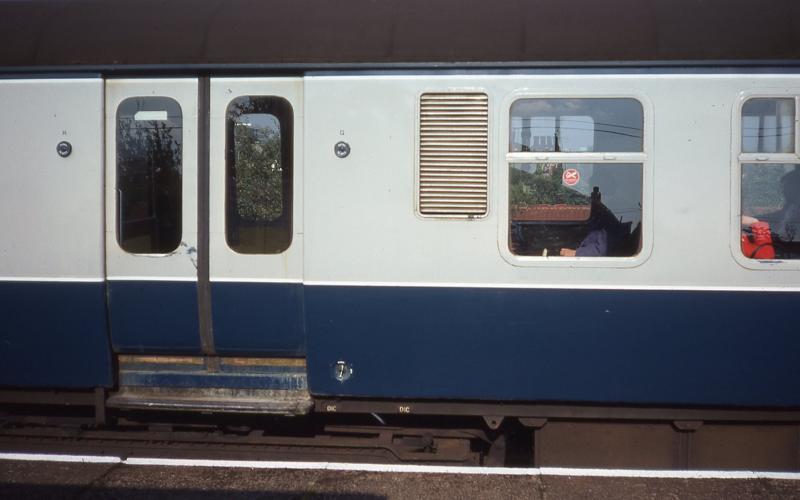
570, 177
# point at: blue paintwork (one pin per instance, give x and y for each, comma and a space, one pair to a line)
270, 381
54, 335
618, 347
192, 369
258, 318
601, 346
154, 317
224, 375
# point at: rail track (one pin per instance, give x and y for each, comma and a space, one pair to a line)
308, 439
565, 437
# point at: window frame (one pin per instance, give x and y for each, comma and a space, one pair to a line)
505, 158
738, 159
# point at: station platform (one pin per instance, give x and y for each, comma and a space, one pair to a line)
68, 477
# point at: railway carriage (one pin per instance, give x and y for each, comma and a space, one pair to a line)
529, 212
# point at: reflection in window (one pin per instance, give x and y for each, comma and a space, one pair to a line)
575, 209
149, 158
258, 217
768, 126
576, 125
771, 211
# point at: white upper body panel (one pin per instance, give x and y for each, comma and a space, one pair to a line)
51, 206
362, 226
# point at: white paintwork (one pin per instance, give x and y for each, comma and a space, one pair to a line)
52, 208
44, 457
225, 264
360, 216
556, 286
360, 212
180, 264
406, 468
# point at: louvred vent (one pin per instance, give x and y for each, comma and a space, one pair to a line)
453, 154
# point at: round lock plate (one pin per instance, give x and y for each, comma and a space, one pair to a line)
342, 149
64, 149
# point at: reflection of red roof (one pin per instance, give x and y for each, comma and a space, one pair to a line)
546, 213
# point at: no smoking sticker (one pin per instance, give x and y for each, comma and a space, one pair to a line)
570, 177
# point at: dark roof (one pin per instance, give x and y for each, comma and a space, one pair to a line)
37, 33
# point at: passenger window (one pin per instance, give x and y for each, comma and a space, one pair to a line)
149, 178
258, 204
770, 187
576, 207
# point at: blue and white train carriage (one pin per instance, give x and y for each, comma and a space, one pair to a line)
195, 215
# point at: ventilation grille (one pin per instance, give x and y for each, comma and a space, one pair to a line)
453, 154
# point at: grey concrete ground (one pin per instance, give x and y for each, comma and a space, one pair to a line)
31, 480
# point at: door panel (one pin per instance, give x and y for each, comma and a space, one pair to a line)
151, 207
256, 233
52, 297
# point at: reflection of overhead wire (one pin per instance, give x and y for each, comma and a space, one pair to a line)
757, 127
605, 124
591, 130
594, 122
533, 128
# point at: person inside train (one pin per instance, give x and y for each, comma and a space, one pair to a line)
605, 231
780, 227
607, 235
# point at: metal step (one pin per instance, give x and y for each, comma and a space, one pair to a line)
191, 383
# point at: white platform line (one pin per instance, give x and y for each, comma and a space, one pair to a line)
552, 286
41, 457
403, 468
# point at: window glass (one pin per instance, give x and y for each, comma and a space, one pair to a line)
259, 175
149, 176
575, 209
576, 125
768, 126
771, 211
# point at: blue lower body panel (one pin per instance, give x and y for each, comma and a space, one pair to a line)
258, 318
154, 316
53, 334
592, 346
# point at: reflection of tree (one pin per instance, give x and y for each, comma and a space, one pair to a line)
761, 188
258, 196
149, 158
259, 173
543, 186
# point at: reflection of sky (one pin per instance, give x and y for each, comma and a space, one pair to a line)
776, 134
576, 133
260, 121
602, 125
